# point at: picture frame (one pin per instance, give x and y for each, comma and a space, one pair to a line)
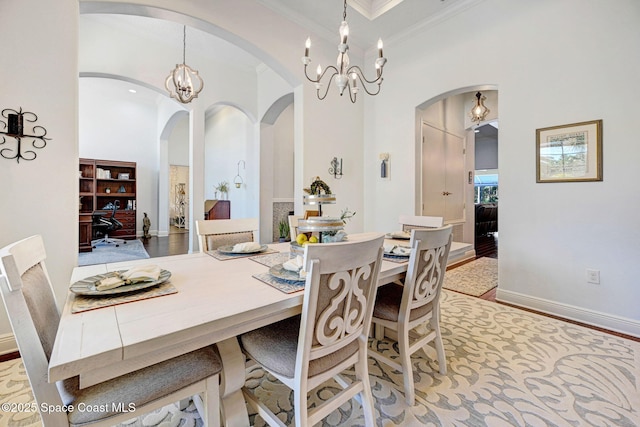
569, 153
123, 176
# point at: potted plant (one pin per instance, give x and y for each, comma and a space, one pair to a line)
223, 188
283, 230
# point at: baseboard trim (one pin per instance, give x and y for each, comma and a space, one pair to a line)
590, 317
8, 344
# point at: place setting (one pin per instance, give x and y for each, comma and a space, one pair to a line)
119, 287
240, 250
396, 253
288, 276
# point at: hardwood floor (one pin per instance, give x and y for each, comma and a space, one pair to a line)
176, 243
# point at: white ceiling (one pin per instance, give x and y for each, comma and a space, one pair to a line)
368, 19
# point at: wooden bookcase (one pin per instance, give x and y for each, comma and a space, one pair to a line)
104, 183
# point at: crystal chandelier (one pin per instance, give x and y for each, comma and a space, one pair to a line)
180, 82
346, 76
479, 111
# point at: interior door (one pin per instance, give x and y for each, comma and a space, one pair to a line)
443, 160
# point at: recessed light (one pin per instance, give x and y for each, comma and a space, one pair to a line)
132, 91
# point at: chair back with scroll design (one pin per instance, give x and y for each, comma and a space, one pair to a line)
332, 331
215, 233
403, 308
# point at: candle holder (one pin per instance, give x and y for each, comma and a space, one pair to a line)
336, 168
15, 129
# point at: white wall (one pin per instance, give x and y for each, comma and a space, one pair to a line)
39, 73
569, 72
283, 160
229, 138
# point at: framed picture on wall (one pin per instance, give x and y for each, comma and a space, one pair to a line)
569, 153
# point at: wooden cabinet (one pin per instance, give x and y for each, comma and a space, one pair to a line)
103, 184
217, 209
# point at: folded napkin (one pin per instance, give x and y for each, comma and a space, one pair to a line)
109, 282
143, 273
400, 235
296, 265
396, 250
246, 247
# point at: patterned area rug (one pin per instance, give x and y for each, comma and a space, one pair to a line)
133, 249
473, 278
506, 367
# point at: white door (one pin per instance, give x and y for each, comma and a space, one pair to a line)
443, 160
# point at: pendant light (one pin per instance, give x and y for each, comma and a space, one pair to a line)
180, 82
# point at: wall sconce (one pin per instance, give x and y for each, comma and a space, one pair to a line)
384, 167
336, 168
15, 129
238, 179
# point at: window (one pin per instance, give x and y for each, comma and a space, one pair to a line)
486, 187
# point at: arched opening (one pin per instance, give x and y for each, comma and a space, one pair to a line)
446, 159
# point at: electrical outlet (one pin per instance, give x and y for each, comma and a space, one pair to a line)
593, 276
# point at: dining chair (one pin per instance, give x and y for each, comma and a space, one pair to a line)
29, 299
329, 336
409, 222
401, 308
293, 226
215, 233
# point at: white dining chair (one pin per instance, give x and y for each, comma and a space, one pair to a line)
401, 308
409, 222
293, 226
30, 303
215, 233
329, 336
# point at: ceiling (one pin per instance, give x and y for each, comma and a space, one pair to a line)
368, 19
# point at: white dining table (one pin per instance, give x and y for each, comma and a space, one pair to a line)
215, 302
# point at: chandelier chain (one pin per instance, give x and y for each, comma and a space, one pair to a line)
184, 44
344, 14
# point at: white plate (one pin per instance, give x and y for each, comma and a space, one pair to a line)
229, 250
279, 272
87, 286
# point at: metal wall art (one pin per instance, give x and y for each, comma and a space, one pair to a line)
336, 168
14, 128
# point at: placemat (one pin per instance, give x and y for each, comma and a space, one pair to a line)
225, 257
282, 285
272, 259
85, 303
395, 258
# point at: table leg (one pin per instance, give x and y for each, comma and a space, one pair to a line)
234, 409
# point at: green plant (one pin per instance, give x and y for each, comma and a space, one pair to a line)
223, 187
283, 229
346, 215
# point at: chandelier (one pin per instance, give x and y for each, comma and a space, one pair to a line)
346, 76
479, 111
180, 81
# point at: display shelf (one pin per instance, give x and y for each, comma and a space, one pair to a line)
101, 184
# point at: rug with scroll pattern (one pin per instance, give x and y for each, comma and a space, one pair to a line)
473, 278
506, 367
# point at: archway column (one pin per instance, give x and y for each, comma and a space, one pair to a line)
196, 170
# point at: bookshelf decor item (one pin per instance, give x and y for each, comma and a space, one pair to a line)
14, 128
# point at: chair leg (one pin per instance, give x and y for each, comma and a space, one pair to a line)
407, 368
442, 360
300, 407
362, 374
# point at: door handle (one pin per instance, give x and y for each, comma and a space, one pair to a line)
446, 193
